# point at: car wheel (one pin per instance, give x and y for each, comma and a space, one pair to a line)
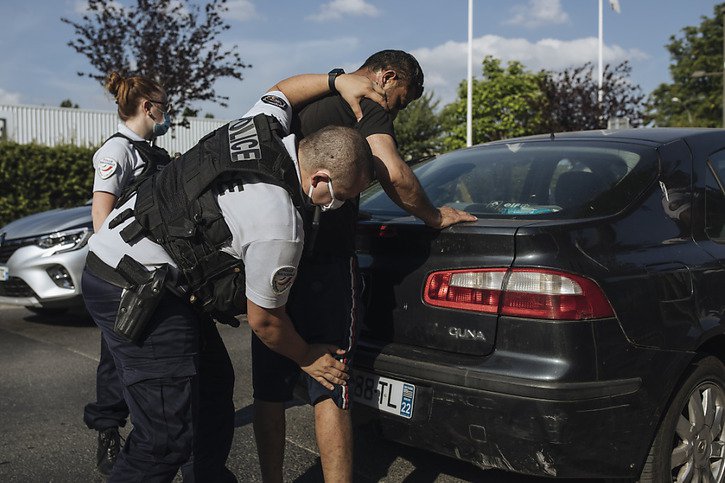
47, 311
690, 443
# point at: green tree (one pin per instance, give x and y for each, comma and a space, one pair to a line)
189, 112
507, 102
418, 129
692, 99
68, 103
175, 43
572, 98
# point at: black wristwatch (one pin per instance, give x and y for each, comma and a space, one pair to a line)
331, 76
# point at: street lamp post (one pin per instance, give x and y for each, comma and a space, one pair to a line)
615, 6
600, 48
469, 95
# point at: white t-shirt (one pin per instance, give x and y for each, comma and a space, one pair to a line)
117, 163
266, 228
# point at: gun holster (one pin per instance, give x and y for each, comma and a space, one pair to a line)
140, 299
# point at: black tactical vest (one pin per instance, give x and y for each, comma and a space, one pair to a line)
154, 157
177, 207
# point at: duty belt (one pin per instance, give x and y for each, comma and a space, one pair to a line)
128, 273
104, 271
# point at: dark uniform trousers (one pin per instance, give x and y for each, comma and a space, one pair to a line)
178, 383
110, 409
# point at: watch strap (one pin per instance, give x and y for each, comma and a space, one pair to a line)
331, 76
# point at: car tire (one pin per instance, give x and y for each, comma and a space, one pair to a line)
47, 310
691, 438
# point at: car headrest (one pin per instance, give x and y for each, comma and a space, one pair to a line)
575, 188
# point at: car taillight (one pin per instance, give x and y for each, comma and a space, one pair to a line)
477, 290
518, 292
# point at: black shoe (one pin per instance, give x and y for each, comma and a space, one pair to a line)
109, 444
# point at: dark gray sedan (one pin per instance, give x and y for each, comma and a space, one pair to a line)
577, 329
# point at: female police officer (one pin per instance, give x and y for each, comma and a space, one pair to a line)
120, 163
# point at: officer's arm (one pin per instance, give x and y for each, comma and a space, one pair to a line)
101, 206
275, 329
403, 187
304, 88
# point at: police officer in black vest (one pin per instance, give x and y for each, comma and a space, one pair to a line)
216, 233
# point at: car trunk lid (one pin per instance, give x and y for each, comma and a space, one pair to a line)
396, 258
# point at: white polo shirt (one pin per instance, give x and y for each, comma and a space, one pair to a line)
117, 163
267, 233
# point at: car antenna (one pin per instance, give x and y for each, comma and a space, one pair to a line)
551, 137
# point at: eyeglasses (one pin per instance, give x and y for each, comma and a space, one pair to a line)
162, 106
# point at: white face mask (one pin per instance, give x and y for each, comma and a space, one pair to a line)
334, 202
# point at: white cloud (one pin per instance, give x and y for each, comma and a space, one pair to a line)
273, 61
336, 9
445, 65
537, 13
80, 7
9, 97
241, 10
272, 58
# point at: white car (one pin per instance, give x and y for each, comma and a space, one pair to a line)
42, 258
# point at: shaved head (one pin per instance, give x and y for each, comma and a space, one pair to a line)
343, 152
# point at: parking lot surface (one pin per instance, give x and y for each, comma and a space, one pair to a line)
48, 375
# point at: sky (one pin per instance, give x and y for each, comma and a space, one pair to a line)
280, 38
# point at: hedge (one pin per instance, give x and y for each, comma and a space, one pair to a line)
35, 178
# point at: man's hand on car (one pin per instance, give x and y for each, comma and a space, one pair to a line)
450, 216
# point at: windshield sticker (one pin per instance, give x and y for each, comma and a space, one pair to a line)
506, 208
514, 147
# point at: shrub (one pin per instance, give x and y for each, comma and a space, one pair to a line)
35, 178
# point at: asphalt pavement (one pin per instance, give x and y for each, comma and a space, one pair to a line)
47, 375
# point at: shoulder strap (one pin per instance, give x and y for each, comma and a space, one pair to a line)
154, 158
119, 135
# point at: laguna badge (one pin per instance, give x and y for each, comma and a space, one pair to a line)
466, 334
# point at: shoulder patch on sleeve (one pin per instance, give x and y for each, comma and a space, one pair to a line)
282, 279
106, 167
275, 101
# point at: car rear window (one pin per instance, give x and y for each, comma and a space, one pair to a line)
541, 179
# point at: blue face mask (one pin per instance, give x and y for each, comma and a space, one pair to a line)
161, 129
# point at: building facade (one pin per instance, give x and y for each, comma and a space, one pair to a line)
51, 126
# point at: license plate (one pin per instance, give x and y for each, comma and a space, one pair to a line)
4, 273
385, 394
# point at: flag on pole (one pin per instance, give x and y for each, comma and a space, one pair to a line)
615, 5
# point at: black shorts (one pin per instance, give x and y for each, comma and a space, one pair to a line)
325, 307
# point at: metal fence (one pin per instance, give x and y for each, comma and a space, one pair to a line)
51, 126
